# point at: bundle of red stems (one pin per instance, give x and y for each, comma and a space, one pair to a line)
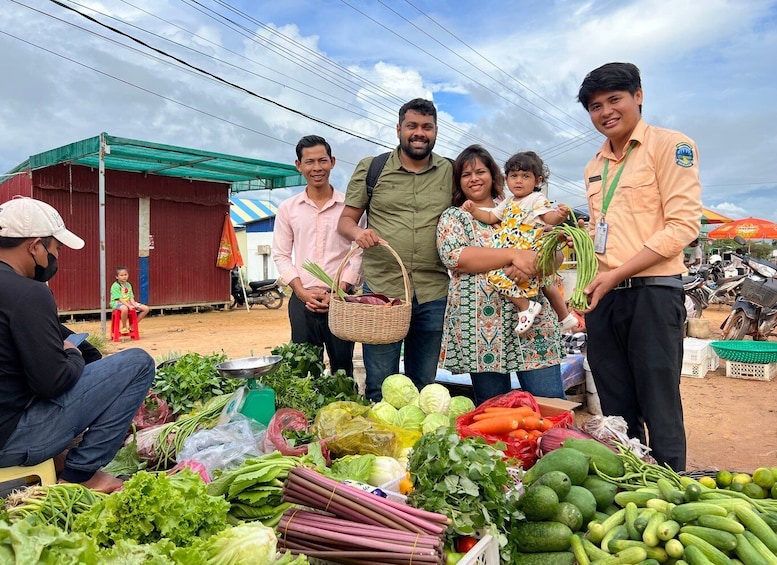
356, 527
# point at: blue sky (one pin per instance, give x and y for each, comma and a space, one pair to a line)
503, 73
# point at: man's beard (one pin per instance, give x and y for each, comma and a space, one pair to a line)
416, 154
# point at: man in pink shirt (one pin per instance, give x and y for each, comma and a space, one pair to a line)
306, 229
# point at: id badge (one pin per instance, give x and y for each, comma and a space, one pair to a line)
600, 237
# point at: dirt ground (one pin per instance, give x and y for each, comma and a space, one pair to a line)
730, 423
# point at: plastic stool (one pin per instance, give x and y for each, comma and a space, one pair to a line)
132, 318
45, 470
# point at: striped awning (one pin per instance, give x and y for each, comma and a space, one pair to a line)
245, 210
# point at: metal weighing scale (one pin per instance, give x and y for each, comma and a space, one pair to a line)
254, 399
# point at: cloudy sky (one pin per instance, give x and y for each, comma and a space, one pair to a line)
502, 73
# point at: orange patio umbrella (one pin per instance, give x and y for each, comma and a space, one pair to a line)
747, 228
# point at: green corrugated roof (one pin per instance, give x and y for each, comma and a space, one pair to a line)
157, 159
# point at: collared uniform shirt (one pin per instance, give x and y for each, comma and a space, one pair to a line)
657, 203
404, 210
303, 231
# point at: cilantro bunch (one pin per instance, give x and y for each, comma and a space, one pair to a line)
467, 480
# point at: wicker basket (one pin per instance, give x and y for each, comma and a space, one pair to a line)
746, 351
368, 323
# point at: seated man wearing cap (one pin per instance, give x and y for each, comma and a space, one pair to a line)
48, 396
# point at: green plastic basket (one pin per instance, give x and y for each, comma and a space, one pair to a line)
746, 351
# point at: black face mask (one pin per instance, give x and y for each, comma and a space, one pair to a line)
44, 274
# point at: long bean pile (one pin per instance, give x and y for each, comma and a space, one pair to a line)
360, 528
640, 475
587, 263
57, 504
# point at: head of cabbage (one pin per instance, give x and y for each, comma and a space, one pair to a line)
384, 412
409, 418
460, 405
434, 399
398, 390
434, 421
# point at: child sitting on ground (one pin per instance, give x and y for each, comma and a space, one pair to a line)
524, 217
123, 299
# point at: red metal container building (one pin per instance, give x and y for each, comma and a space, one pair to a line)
164, 212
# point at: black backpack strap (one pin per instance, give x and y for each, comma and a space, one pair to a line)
373, 173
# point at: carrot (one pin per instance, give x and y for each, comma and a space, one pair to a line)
547, 423
534, 434
524, 410
500, 425
519, 434
531, 423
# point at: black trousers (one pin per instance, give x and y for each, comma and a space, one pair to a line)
635, 350
312, 327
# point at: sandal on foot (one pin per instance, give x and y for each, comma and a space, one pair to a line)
526, 317
568, 323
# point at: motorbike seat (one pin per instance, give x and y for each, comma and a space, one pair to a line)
256, 285
691, 282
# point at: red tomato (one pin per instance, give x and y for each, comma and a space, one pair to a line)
465, 543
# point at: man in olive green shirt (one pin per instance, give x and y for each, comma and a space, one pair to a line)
412, 191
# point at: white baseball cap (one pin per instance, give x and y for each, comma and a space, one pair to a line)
27, 217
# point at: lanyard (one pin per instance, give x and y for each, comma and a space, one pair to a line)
611, 191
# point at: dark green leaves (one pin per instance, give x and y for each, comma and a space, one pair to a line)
192, 380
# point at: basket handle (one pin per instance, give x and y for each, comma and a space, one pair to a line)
405, 278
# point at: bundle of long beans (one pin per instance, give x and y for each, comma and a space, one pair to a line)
358, 528
587, 263
57, 504
640, 475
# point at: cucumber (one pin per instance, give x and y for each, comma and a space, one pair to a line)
578, 550
753, 522
657, 553
630, 555
603, 459
692, 492
669, 492
639, 498
650, 535
747, 553
603, 492
545, 558
540, 537
539, 502
724, 541
593, 551
617, 533
667, 530
674, 548
722, 523
630, 517
573, 463
642, 520
771, 519
694, 556
712, 553
661, 505
766, 554
691, 511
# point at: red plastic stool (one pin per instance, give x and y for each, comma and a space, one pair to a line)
132, 318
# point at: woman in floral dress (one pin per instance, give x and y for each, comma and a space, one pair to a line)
478, 337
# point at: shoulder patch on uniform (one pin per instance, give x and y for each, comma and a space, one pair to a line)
683, 154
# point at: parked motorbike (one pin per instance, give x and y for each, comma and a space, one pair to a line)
268, 293
694, 295
754, 311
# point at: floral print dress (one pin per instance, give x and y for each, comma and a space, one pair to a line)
478, 332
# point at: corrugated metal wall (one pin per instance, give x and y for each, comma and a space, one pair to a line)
186, 219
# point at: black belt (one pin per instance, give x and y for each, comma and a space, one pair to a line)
674, 281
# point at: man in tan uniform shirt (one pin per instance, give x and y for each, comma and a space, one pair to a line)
644, 196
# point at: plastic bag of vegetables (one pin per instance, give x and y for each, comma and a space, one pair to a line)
523, 449
348, 431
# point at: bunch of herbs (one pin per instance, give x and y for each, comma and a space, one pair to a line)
465, 479
191, 381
